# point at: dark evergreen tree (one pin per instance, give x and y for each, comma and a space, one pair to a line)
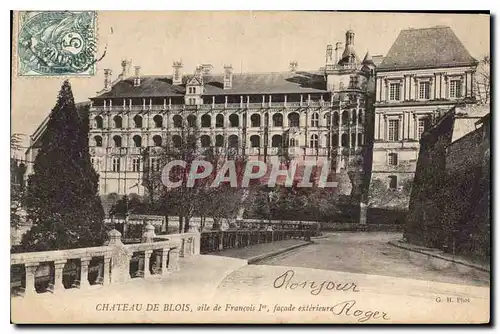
62, 194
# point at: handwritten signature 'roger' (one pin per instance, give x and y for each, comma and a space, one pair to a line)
285, 281
52, 43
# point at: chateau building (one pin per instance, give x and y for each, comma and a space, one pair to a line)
372, 110
425, 73
307, 115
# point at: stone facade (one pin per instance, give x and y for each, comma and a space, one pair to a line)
415, 82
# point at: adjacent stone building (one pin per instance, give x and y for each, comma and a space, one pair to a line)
426, 71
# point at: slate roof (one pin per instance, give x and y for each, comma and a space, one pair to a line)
246, 83
426, 48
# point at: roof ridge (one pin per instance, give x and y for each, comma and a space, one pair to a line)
427, 28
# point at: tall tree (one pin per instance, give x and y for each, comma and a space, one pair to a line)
62, 194
483, 79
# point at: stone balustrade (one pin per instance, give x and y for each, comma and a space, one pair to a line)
112, 263
251, 232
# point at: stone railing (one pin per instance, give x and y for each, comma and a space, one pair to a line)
114, 263
251, 232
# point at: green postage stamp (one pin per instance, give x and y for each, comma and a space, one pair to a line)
57, 43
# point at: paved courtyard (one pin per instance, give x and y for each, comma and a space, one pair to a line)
370, 253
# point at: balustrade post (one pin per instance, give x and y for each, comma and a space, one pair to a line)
84, 272
58, 274
147, 256
221, 240
107, 271
173, 259
30, 269
236, 241
249, 238
164, 261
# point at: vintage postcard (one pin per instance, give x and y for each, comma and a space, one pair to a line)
265, 167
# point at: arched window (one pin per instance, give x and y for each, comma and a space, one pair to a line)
313, 143
157, 140
117, 141
177, 141
158, 121
335, 140
345, 140
177, 121
98, 122
345, 118
205, 141
234, 120
315, 120
138, 121
219, 121
255, 141
232, 141
117, 120
206, 121
354, 115
219, 141
98, 141
293, 119
276, 141
255, 120
191, 119
336, 118
278, 119
137, 141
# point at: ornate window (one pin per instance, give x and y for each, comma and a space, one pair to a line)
138, 121
234, 120
177, 121
278, 120
116, 164
455, 88
393, 159
137, 141
157, 140
118, 141
393, 129
255, 120
117, 122
205, 141
158, 121
424, 89
315, 120
276, 141
394, 91
206, 121
136, 164
313, 143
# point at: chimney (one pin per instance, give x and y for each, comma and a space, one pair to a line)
337, 48
177, 77
228, 76
137, 77
107, 79
329, 54
349, 37
124, 65
293, 66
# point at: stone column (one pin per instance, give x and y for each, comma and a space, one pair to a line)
106, 271
173, 259
164, 261
221, 240
58, 274
30, 269
147, 256
377, 128
84, 272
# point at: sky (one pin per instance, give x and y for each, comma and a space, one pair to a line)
252, 41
